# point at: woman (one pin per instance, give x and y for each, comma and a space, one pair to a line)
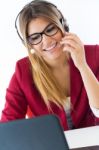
60, 75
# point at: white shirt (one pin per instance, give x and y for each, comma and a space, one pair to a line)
67, 108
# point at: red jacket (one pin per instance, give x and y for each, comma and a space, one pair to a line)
22, 93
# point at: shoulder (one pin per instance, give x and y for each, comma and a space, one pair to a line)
23, 62
92, 55
23, 69
91, 49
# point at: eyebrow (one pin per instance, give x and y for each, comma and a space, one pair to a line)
40, 32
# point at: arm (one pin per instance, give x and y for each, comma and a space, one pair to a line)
15, 105
74, 46
91, 85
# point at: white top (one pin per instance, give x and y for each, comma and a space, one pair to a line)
67, 108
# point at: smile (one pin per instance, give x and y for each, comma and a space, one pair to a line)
51, 48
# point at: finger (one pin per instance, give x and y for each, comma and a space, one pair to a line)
68, 49
73, 37
70, 33
71, 43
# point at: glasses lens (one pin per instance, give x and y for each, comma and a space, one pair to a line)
51, 30
34, 39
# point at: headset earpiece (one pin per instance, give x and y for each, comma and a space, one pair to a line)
63, 22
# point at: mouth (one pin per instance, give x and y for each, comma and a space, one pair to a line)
51, 48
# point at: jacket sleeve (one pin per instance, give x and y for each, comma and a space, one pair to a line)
97, 61
16, 104
97, 76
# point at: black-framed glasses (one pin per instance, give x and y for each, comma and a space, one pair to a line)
36, 38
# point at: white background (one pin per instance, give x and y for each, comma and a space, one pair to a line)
82, 17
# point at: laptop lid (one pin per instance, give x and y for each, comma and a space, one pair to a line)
40, 133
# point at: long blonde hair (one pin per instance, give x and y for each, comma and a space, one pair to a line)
44, 80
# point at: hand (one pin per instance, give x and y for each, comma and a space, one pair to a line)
75, 47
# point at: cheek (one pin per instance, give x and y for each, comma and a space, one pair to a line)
37, 49
58, 36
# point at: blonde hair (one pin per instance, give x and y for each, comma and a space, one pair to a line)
44, 80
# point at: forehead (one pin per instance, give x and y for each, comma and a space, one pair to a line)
37, 25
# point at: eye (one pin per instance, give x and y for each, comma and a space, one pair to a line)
35, 37
51, 28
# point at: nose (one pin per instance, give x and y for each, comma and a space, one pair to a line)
45, 37
46, 40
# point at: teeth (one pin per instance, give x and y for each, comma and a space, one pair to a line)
51, 47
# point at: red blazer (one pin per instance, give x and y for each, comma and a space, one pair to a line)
22, 94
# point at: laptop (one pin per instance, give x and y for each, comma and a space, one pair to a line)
94, 147
40, 133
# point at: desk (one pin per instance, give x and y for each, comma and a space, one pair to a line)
83, 137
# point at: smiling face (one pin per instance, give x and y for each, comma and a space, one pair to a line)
49, 46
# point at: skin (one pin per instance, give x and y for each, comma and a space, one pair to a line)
67, 45
54, 56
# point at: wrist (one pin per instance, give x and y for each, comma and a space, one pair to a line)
83, 68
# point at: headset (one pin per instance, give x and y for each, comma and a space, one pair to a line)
62, 20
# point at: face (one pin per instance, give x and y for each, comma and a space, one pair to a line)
46, 44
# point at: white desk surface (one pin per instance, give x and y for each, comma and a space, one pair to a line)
83, 137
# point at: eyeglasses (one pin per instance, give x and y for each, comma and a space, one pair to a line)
36, 38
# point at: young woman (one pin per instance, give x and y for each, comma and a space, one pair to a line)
59, 76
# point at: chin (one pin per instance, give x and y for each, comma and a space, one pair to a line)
54, 55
